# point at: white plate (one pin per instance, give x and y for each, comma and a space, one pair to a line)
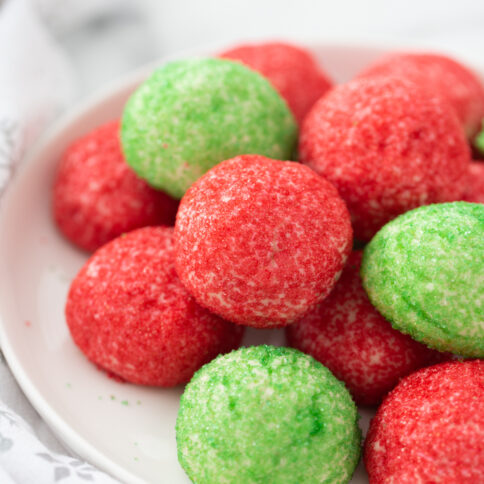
126, 430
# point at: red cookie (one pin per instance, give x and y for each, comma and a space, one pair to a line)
97, 196
292, 71
260, 241
388, 147
441, 76
430, 428
475, 184
128, 313
348, 336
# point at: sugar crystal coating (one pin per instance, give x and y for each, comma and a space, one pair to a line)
388, 147
430, 428
97, 196
478, 143
129, 314
259, 241
424, 271
348, 335
442, 76
194, 113
475, 185
267, 414
292, 70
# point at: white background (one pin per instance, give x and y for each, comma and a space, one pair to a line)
146, 29
101, 40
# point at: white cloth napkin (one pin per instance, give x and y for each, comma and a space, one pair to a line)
36, 83
27, 453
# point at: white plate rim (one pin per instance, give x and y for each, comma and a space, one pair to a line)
61, 429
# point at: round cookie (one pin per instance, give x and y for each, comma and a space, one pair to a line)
292, 70
97, 196
430, 428
388, 147
442, 76
267, 414
424, 272
129, 314
348, 335
478, 144
192, 114
475, 184
259, 241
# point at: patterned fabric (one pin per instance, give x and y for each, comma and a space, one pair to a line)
29, 452
29, 100
36, 83
24, 459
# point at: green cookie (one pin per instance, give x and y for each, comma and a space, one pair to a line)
479, 140
267, 415
192, 114
424, 271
